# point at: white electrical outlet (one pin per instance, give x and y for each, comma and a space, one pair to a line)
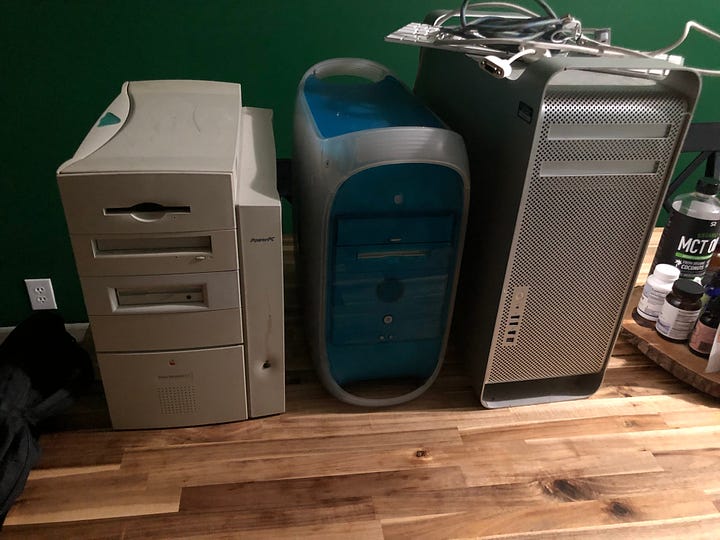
41, 293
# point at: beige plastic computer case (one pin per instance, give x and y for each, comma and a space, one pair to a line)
175, 224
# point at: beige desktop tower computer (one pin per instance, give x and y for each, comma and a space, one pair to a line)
174, 218
569, 165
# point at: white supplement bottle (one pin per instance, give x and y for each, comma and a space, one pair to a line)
657, 287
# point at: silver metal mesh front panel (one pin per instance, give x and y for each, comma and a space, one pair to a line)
582, 232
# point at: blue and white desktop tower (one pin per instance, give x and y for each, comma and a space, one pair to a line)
381, 192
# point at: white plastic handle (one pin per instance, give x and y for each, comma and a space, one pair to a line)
355, 67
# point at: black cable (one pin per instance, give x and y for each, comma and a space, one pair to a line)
496, 25
542, 3
502, 27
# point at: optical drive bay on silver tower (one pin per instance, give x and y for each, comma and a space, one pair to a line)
174, 219
569, 164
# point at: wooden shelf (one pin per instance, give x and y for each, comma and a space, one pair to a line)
675, 358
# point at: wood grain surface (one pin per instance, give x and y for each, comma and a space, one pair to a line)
640, 459
676, 358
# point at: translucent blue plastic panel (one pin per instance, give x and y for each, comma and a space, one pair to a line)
389, 284
393, 230
345, 108
360, 315
399, 258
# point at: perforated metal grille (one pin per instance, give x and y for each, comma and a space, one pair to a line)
177, 399
579, 237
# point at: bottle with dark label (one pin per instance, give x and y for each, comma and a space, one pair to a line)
703, 335
680, 311
691, 234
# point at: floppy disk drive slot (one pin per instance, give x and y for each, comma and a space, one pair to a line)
154, 245
161, 296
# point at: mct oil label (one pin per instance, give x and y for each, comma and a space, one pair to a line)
689, 244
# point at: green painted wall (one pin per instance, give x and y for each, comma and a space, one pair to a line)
63, 61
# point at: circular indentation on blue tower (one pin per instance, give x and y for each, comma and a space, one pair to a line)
390, 290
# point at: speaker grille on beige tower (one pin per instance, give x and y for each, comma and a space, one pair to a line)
597, 174
177, 399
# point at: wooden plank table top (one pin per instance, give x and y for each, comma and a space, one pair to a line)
639, 459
